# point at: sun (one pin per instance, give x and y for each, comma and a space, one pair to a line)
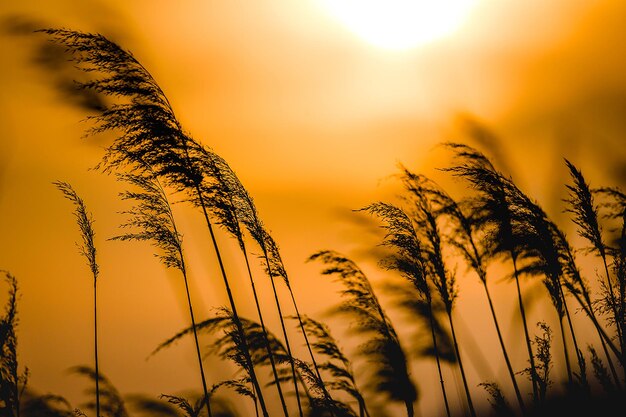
400, 24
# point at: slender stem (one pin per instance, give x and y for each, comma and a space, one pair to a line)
504, 352
531, 359
231, 299
588, 309
613, 302
256, 403
567, 362
458, 357
410, 412
95, 338
607, 354
268, 348
308, 345
183, 271
483, 278
436, 348
195, 337
618, 314
282, 324
364, 405
198, 192
571, 329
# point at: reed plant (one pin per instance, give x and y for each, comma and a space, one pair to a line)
88, 250
149, 133
392, 374
408, 260
12, 381
494, 216
585, 215
497, 221
337, 365
151, 219
441, 277
463, 235
113, 404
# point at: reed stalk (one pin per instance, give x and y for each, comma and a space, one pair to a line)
88, 250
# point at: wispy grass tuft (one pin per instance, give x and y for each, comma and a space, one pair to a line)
543, 344
409, 260
228, 345
12, 382
148, 131
463, 234
601, 372
88, 250
112, 403
444, 280
151, 219
337, 365
499, 404
391, 373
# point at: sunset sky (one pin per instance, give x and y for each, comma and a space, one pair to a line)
313, 113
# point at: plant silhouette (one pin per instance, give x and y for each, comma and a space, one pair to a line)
427, 234
383, 348
88, 250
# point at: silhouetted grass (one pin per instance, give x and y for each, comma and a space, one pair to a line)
497, 222
462, 230
151, 219
409, 260
494, 215
12, 382
88, 250
383, 348
150, 134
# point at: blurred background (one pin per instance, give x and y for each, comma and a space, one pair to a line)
314, 112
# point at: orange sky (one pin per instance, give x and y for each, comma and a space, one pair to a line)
313, 119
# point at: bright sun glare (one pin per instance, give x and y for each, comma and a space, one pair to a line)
400, 24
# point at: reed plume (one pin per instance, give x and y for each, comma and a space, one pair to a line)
585, 215
112, 402
183, 404
146, 405
391, 374
148, 129
600, 372
585, 212
543, 344
151, 219
493, 215
47, 405
614, 288
461, 233
232, 206
407, 298
337, 364
12, 383
88, 250
497, 400
229, 346
408, 259
321, 404
442, 279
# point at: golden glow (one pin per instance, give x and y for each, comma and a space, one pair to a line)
400, 24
